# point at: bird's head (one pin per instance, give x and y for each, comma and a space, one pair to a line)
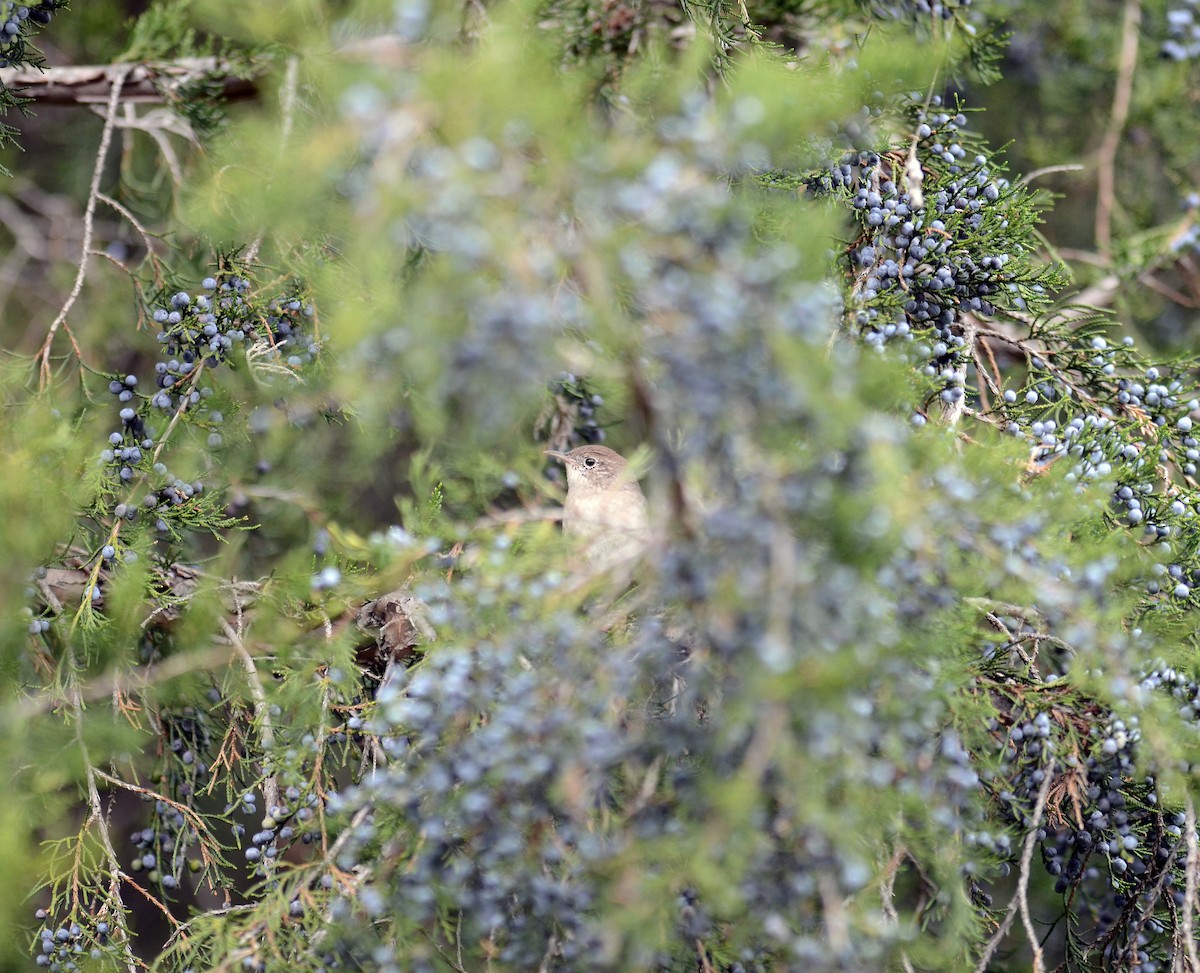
593, 467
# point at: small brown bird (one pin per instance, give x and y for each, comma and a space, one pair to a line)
605, 506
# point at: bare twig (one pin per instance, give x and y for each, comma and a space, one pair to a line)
1170, 293
27, 233
952, 411
543, 967
1189, 895
157, 82
291, 81
147, 237
1020, 900
262, 709
287, 101
158, 123
887, 895
1106, 181
837, 927
1039, 964
1026, 179
1083, 256
88, 226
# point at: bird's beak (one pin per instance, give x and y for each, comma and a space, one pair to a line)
556, 454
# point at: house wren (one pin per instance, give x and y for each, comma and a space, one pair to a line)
605, 506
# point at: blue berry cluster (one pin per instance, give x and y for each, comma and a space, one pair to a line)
69, 947
1144, 444
160, 848
1115, 853
17, 19
198, 334
916, 277
943, 244
203, 330
292, 820
1183, 31
483, 833
918, 242
570, 418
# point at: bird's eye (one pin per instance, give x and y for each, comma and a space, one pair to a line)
590, 462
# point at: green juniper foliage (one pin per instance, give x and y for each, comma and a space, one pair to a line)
301, 673
18, 23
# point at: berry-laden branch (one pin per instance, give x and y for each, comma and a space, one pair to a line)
97, 816
138, 506
19, 21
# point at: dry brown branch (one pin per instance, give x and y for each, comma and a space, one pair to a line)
1170, 293
92, 84
157, 82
